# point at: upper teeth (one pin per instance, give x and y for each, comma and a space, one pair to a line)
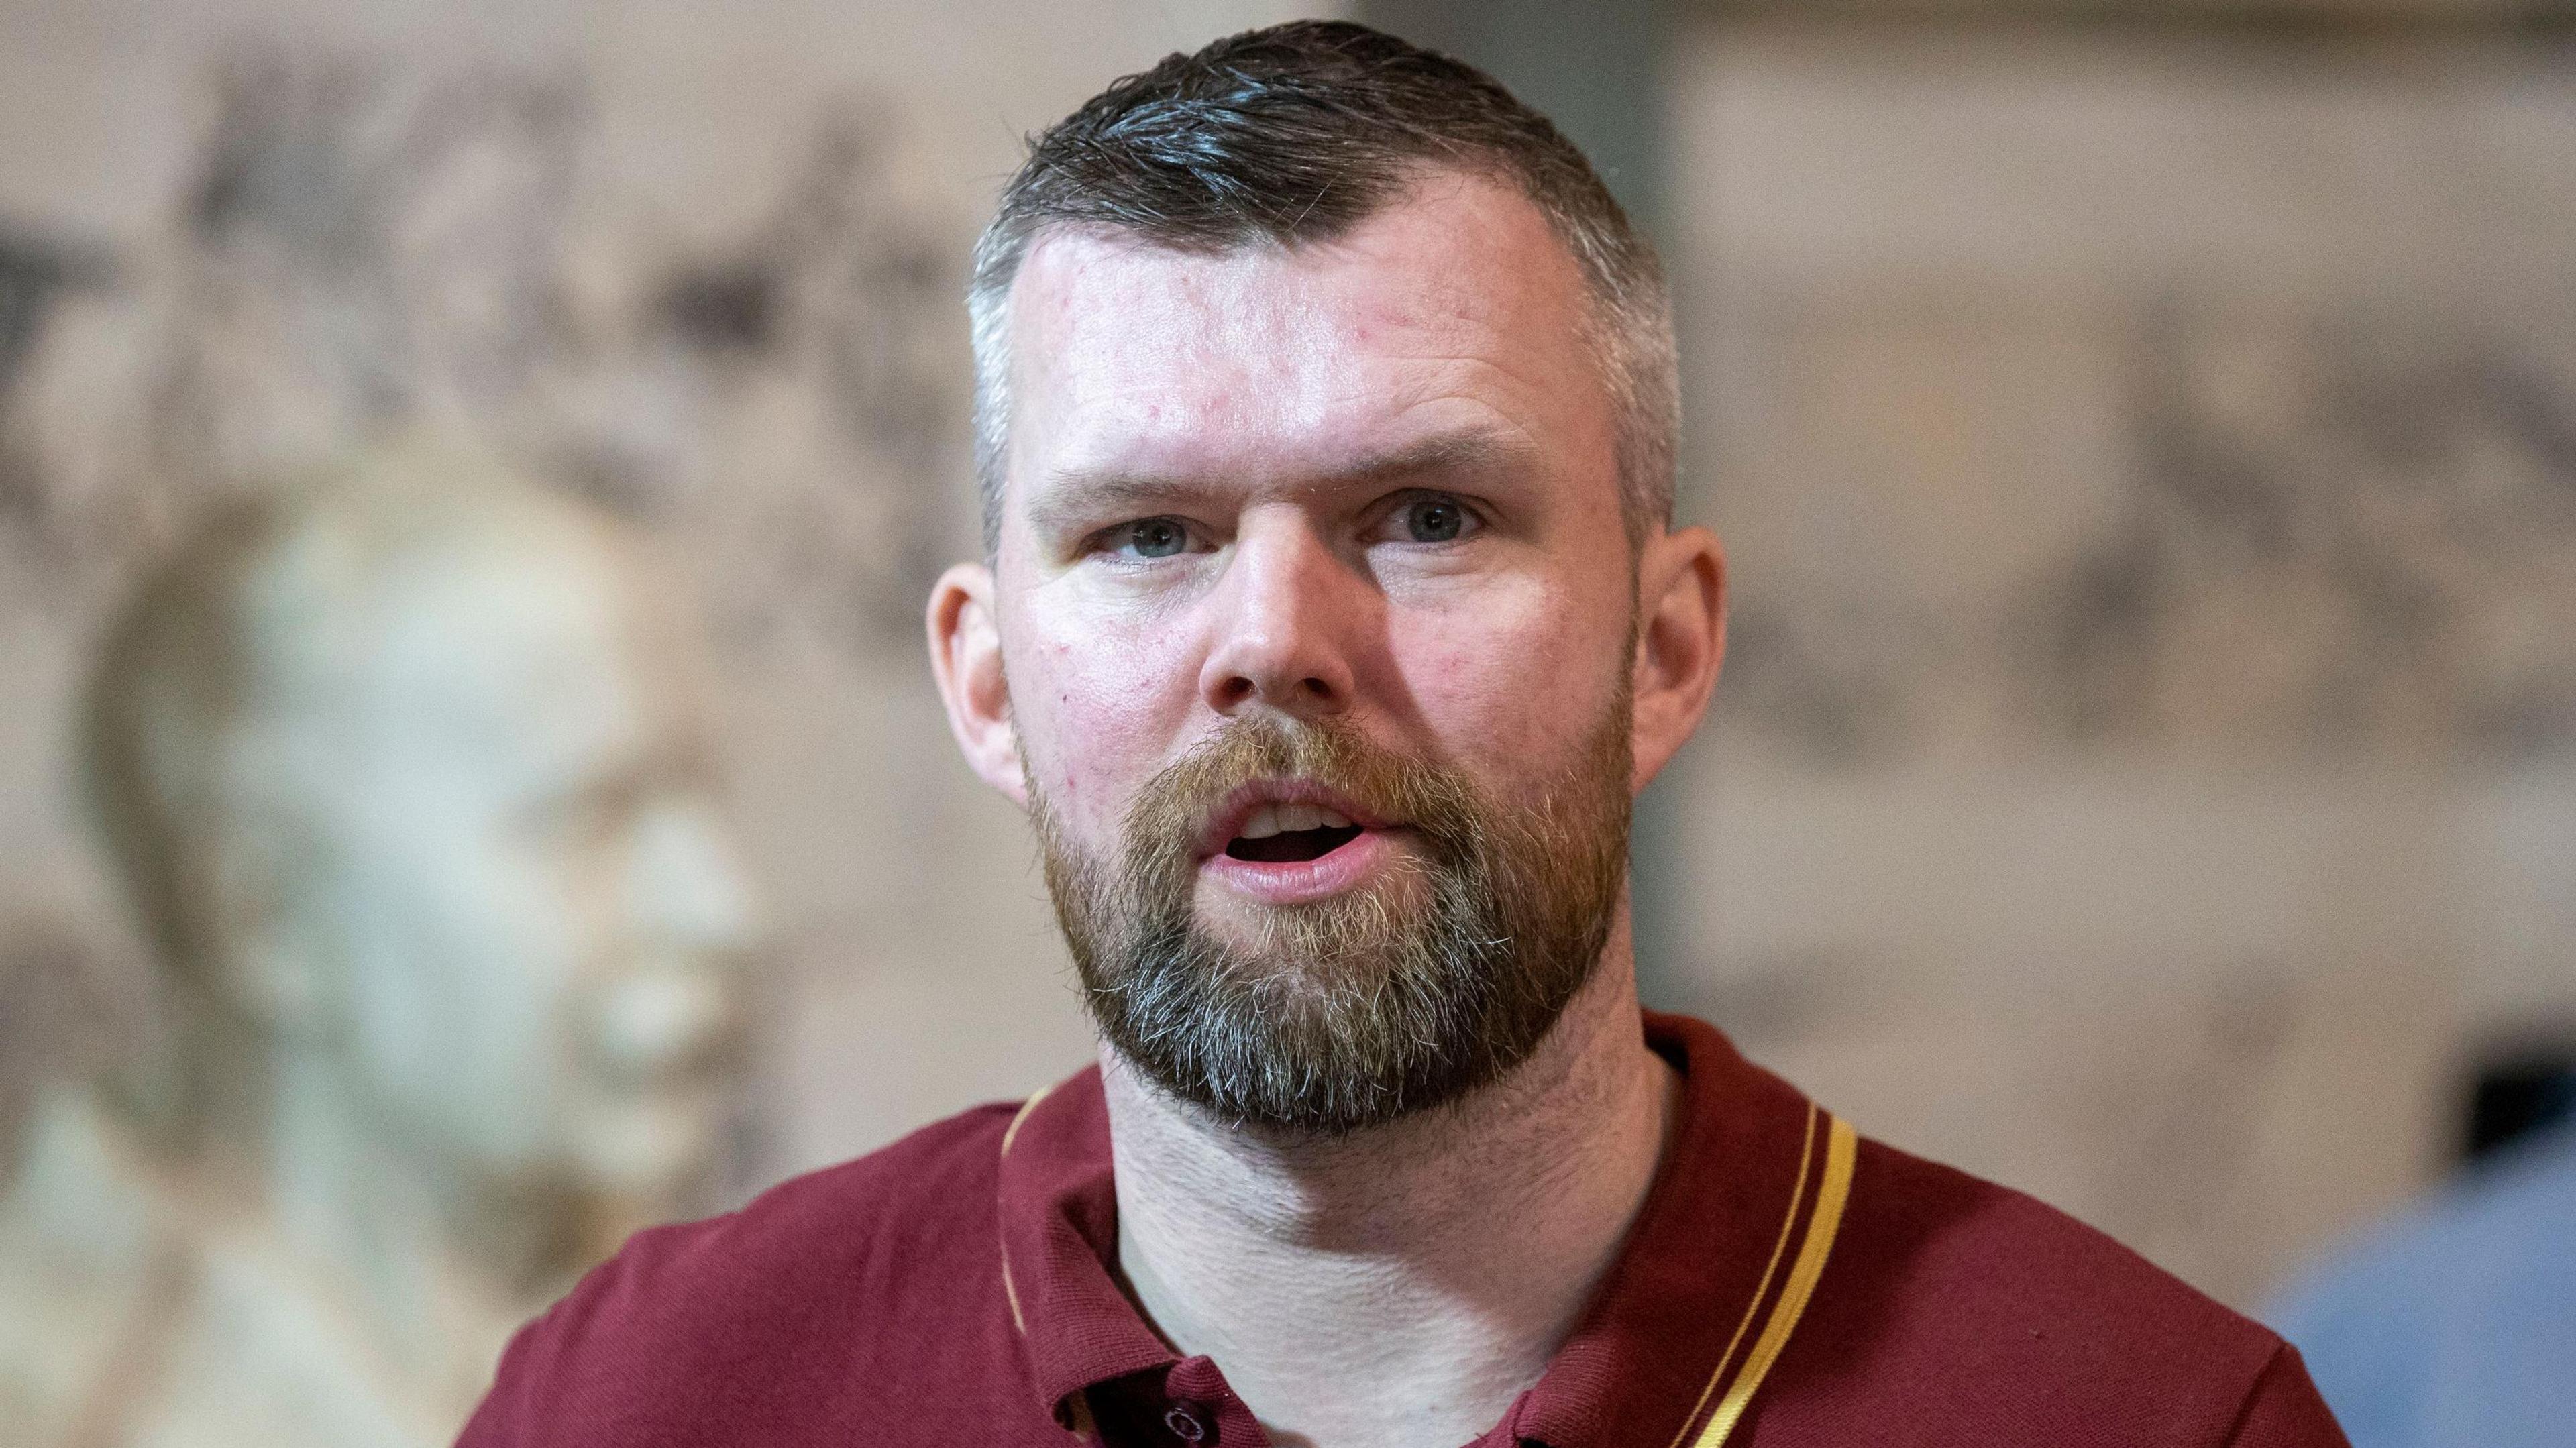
1272, 819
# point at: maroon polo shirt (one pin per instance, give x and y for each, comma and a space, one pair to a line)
1784, 1284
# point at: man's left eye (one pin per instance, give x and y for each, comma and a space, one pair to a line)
1153, 537
1435, 520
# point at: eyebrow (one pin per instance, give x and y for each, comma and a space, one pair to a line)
1077, 494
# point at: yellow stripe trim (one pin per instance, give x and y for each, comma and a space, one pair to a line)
1022, 1114
1788, 1224
1011, 1293
1842, 1148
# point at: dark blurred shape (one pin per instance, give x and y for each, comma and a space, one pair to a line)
35, 272
2515, 1095
727, 307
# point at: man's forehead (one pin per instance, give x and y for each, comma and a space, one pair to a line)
1456, 290
1450, 249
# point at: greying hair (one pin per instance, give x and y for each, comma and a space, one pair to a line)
1292, 135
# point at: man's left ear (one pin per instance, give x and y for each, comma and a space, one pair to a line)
966, 656
1681, 640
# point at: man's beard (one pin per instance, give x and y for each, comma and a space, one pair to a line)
1409, 992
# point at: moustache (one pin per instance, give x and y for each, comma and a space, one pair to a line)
1183, 812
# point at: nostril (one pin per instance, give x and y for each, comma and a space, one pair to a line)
1231, 690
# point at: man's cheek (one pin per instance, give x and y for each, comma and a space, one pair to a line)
1109, 692
1090, 751
1508, 693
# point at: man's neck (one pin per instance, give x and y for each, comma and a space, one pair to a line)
1397, 1288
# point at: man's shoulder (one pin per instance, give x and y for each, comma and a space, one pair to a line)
1979, 1303
830, 1280
1978, 1246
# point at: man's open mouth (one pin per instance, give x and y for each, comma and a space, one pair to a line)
1290, 834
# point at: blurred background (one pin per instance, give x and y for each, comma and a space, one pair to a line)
2144, 435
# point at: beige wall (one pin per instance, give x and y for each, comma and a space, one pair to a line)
2147, 768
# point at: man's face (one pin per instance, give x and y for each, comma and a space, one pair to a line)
1315, 615
521, 904
1222, 474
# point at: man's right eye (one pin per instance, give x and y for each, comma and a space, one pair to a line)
1151, 538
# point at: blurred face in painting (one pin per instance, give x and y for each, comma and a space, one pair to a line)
1318, 645
506, 917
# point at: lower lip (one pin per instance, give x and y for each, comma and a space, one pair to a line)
1303, 882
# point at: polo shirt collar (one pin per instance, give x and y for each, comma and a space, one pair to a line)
1715, 1272
1059, 1225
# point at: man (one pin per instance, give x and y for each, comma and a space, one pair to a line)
1332, 619
403, 773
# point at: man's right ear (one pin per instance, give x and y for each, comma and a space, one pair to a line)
966, 655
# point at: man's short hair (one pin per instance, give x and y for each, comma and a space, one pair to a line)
1294, 134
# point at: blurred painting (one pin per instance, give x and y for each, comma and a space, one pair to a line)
405, 772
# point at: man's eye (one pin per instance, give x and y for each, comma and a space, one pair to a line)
1434, 520
1154, 537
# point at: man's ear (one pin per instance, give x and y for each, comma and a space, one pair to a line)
1681, 640
966, 655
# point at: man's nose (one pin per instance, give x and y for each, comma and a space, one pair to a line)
1286, 612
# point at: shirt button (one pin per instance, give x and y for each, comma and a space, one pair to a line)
1185, 1425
